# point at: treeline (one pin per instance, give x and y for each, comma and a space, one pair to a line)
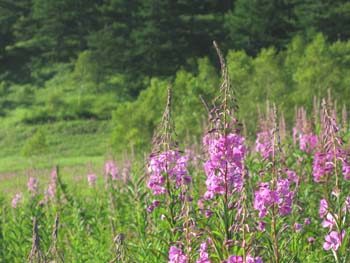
141, 38
290, 78
64, 60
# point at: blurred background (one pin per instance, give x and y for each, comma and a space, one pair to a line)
84, 79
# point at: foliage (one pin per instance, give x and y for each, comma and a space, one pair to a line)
36, 144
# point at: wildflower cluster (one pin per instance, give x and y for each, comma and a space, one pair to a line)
51, 189
324, 165
302, 132
112, 169
332, 221
264, 144
92, 179
32, 186
224, 167
282, 197
239, 259
203, 254
169, 167
177, 256
16, 199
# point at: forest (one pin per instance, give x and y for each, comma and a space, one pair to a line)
77, 63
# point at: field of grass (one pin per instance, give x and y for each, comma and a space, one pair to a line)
66, 143
78, 146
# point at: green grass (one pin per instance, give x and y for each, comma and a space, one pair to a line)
78, 146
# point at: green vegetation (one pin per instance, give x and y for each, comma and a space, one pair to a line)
108, 64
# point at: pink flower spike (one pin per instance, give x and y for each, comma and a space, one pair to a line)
15, 200
32, 186
92, 179
112, 169
235, 259
176, 255
203, 254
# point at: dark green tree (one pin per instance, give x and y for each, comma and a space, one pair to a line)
254, 24
13, 15
63, 26
331, 17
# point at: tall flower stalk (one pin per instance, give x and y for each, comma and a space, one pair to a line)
274, 198
330, 162
169, 182
225, 170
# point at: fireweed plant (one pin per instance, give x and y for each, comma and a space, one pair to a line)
277, 187
169, 183
331, 169
224, 202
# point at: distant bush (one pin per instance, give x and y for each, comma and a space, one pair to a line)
36, 144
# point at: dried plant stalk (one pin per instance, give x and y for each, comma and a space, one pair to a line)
36, 255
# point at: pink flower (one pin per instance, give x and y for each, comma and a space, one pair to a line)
308, 142
92, 179
298, 227
282, 197
54, 175
51, 189
32, 186
264, 144
173, 165
329, 221
292, 176
346, 207
16, 199
176, 255
333, 240
251, 259
261, 226
112, 169
310, 240
235, 259
307, 221
203, 254
224, 167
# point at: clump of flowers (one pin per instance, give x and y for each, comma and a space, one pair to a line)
266, 197
302, 132
176, 255
331, 152
17, 198
224, 165
263, 144
239, 259
324, 165
203, 254
307, 142
51, 189
112, 169
32, 186
171, 166
92, 178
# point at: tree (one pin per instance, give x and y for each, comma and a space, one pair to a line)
331, 17
254, 24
